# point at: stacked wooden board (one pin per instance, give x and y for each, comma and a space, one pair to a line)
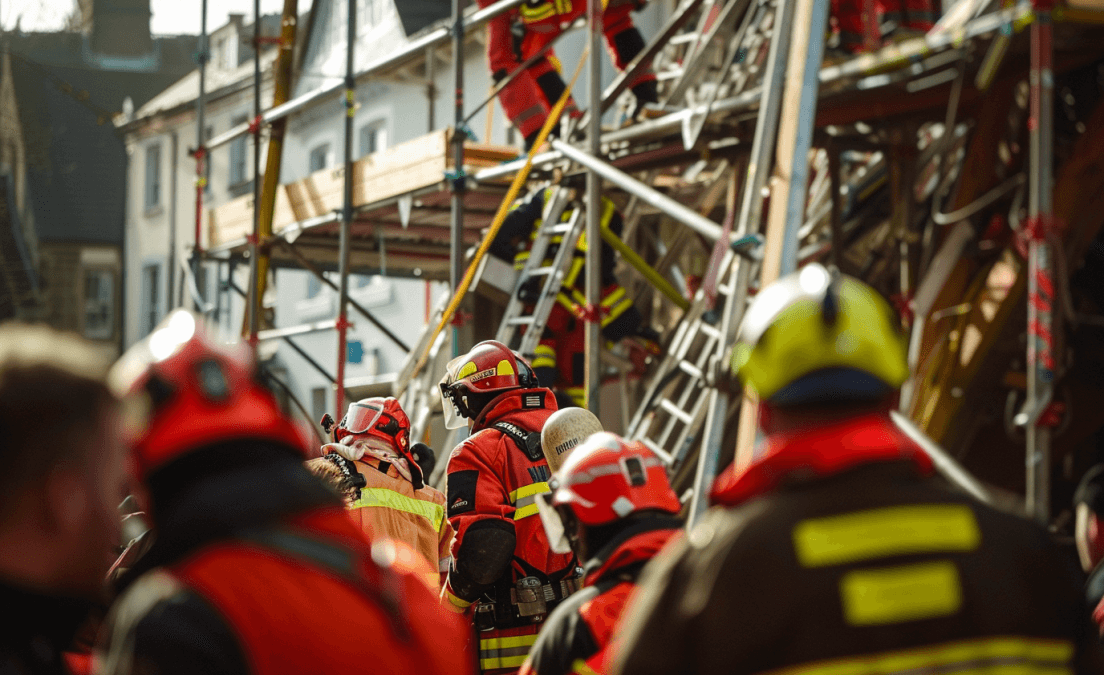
403, 169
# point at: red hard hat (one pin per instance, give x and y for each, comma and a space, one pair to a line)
196, 392
488, 368
378, 417
608, 478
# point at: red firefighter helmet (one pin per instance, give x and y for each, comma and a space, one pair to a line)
489, 368
377, 417
604, 480
195, 392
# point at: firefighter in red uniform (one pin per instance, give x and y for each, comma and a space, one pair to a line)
839, 550
256, 568
889, 18
390, 499
504, 575
612, 505
559, 358
518, 34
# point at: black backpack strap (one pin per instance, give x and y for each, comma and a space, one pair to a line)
529, 442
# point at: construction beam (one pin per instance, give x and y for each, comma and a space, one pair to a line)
695, 221
310, 267
282, 71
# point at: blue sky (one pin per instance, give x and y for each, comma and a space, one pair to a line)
169, 16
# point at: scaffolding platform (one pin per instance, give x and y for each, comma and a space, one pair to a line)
401, 195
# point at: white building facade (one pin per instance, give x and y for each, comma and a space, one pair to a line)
388, 112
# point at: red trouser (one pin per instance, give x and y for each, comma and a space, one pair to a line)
526, 103
855, 22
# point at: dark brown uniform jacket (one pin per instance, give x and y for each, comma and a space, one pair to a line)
875, 569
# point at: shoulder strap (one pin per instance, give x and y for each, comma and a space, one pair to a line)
529, 442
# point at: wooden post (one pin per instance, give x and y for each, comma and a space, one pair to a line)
788, 181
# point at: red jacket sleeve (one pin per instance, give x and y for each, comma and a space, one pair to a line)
480, 512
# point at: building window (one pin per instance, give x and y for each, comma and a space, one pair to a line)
151, 282
238, 149
373, 137
99, 304
153, 176
320, 158
318, 403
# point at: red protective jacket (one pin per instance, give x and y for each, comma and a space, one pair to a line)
576, 637
492, 485
262, 571
531, 95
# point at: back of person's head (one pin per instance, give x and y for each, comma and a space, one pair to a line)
1089, 517
207, 410
63, 460
564, 431
819, 344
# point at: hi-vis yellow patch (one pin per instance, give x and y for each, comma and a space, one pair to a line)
505, 368
897, 594
878, 533
466, 370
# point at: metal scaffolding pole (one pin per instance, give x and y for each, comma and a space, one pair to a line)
593, 328
412, 51
347, 211
456, 221
1040, 273
255, 299
748, 222
788, 190
200, 150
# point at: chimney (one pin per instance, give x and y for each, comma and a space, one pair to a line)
121, 28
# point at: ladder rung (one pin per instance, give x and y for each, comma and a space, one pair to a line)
660, 452
690, 369
710, 331
521, 321
558, 228
542, 271
675, 411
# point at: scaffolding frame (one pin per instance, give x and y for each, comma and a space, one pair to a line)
920, 65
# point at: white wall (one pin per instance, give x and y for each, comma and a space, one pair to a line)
148, 232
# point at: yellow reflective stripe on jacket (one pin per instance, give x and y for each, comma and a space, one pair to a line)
617, 303
505, 652
578, 395
574, 271
528, 491
542, 11
544, 356
580, 667
876, 597
877, 533
524, 499
389, 499
1011, 655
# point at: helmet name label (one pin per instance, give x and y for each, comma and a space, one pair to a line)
483, 374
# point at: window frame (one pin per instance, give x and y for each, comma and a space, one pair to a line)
110, 323
369, 136
152, 193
